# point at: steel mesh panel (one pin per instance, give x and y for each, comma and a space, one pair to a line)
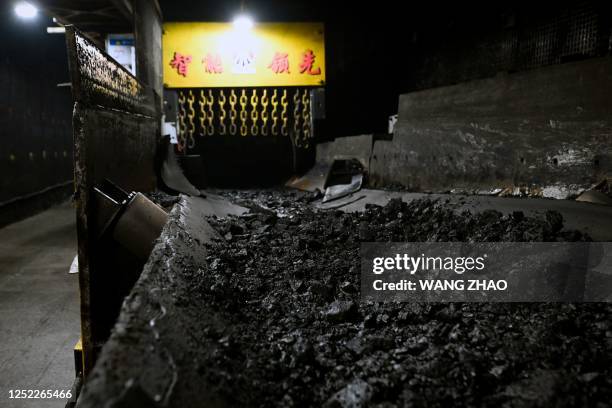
527, 39
572, 33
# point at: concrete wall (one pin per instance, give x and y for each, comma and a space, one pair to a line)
548, 129
35, 117
358, 147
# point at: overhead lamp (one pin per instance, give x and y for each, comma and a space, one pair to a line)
25, 10
243, 22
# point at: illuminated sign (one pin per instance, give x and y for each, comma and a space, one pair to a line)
208, 55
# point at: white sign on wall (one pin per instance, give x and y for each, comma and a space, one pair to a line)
121, 48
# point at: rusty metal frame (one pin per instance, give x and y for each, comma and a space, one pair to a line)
115, 124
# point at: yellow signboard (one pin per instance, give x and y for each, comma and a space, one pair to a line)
206, 55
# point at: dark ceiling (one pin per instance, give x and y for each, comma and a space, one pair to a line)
91, 15
374, 50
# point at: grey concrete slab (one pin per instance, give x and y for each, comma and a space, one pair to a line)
351, 147
547, 129
359, 147
214, 204
39, 306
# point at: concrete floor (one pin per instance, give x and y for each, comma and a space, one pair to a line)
39, 306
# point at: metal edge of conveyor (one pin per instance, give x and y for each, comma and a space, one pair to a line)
140, 333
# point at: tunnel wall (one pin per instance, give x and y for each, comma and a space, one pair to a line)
35, 118
548, 129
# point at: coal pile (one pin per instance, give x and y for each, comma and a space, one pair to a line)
287, 278
162, 199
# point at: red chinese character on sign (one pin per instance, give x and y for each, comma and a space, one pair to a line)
180, 62
280, 63
308, 59
212, 63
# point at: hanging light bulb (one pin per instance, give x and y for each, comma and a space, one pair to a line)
25, 10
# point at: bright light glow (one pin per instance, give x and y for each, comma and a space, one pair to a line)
243, 23
56, 30
25, 10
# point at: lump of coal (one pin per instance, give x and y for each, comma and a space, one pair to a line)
393, 207
355, 395
554, 220
339, 310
